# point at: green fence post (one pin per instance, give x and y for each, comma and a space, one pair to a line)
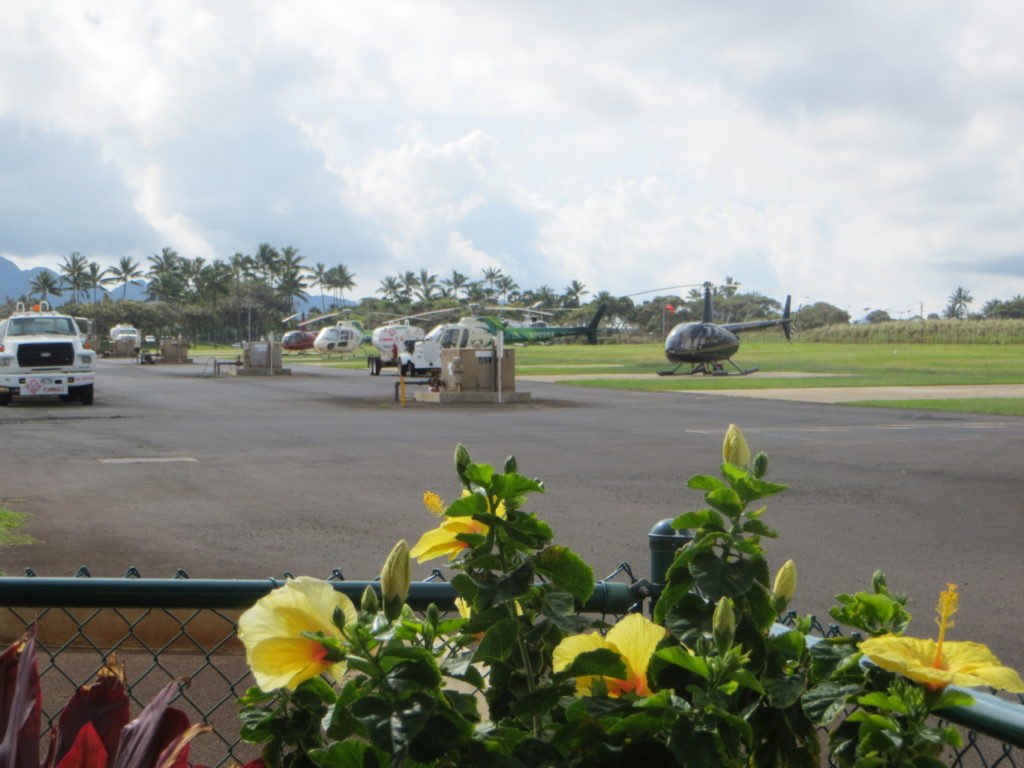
663, 541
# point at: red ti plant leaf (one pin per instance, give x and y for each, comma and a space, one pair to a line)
87, 751
22, 706
103, 704
145, 739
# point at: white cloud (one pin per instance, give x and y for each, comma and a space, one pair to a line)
851, 152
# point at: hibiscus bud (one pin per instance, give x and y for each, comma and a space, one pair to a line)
785, 582
510, 465
369, 602
395, 578
723, 625
760, 465
735, 449
462, 461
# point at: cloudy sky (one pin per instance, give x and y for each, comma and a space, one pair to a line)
868, 153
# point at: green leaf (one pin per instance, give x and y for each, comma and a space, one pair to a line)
350, 753
602, 662
953, 698
680, 657
499, 641
716, 579
824, 702
783, 690
726, 501
567, 570
512, 485
479, 474
700, 518
473, 504
704, 483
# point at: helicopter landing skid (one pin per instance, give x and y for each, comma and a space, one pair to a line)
710, 369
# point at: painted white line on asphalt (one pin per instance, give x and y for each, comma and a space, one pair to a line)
151, 460
860, 427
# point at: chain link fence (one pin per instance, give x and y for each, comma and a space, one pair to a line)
184, 629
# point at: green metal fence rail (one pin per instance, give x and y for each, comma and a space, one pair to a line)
167, 629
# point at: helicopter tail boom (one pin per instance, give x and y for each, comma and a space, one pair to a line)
591, 331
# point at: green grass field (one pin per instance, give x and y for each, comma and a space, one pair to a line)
843, 365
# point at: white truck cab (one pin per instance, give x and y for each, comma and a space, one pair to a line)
43, 352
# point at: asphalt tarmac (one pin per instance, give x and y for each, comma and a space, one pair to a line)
249, 477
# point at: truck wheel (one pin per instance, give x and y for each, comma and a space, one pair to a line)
410, 369
5, 398
85, 394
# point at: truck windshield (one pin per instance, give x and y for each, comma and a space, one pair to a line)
41, 326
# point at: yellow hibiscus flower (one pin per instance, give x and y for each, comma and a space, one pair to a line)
633, 638
442, 541
938, 663
271, 631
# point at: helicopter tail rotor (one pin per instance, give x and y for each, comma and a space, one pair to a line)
786, 320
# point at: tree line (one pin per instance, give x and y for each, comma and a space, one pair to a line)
250, 296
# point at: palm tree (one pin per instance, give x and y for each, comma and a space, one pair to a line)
166, 260
241, 267
409, 283
73, 270
454, 283
265, 262
291, 285
320, 274
214, 281
491, 274
958, 301
44, 284
95, 276
127, 271
546, 295
391, 288
191, 271
506, 285
341, 280
573, 293
426, 284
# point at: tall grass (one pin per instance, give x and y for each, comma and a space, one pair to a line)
918, 332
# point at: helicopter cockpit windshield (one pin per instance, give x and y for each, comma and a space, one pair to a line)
454, 338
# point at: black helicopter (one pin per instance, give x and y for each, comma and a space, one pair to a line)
706, 346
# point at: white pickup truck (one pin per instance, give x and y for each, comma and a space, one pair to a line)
43, 352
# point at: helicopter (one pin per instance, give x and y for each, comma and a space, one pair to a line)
482, 331
706, 346
344, 336
303, 338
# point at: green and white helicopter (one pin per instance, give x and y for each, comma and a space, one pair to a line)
481, 331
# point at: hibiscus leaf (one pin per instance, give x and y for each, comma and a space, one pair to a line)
479, 474
700, 518
513, 485
726, 501
498, 642
680, 657
350, 753
704, 483
473, 504
568, 571
601, 662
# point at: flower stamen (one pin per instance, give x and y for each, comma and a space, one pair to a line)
949, 602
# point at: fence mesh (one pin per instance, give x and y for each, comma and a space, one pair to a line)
199, 647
